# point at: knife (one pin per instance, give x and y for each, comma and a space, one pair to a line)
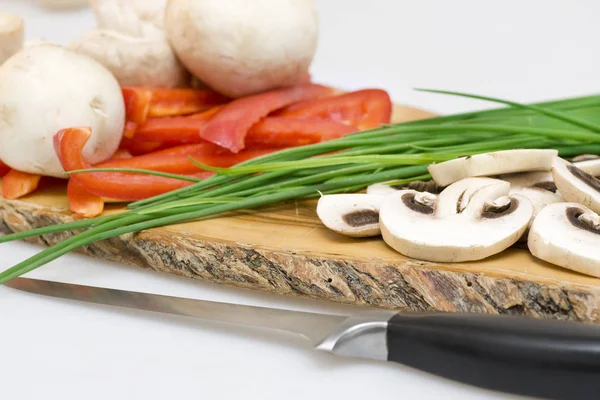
533, 357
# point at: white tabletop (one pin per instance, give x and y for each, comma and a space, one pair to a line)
523, 50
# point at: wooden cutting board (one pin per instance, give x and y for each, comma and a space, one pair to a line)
285, 249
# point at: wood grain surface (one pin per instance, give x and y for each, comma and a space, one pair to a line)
286, 250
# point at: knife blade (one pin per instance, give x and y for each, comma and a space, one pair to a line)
513, 354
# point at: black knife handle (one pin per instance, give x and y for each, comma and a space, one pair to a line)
526, 356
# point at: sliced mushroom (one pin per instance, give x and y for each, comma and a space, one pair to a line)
585, 157
567, 235
590, 165
495, 163
385, 188
470, 220
12, 35
355, 215
576, 185
539, 187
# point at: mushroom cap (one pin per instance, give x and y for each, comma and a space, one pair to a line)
239, 47
576, 185
494, 163
134, 61
452, 230
355, 215
135, 18
46, 88
151, 10
560, 236
12, 35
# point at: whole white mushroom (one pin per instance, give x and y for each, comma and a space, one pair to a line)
130, 41
46, 88
134, 61
135, 18
241, 47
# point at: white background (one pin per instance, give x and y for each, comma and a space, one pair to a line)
526, 50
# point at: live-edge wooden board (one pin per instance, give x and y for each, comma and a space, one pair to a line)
284, 249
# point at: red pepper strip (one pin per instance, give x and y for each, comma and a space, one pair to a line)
83, 202
173, 130
228, 128
288, 132
17, 184
174, 102
197, 149
270, 132
130, 129
176, 160
4, 169
363, 109
68, 144
137, 104
137, 147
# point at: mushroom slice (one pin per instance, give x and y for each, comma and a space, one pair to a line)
539, 187
590, 165
385, 188
495, 163
576, 185
470, 220
585, 157
355, 215
12, 35
567, 235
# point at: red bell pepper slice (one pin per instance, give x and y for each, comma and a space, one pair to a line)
176, 160
138, 147
69, 143
129, 129
175, 130
228, 128
142, 103
16, 184
137, 104
82, 202
270, 132
363, 109
174, 102
289, 132
4, 169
